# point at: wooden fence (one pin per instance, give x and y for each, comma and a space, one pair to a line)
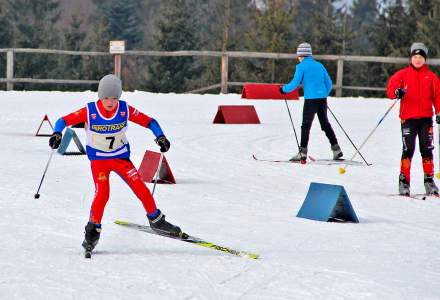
224, 83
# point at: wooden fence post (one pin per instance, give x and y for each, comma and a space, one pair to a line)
339, 77
224, 70
9, 69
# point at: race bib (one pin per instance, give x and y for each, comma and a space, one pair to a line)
108, 142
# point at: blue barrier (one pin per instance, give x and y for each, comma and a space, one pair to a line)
327, 202
67, 138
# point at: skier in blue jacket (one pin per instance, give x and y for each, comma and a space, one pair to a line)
317, 85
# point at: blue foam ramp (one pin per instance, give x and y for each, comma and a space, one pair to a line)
327, 202
68, 136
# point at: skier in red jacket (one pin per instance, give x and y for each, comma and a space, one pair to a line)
419, 90
107, 148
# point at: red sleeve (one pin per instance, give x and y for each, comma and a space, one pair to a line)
77, 117
394, 83
436, 94
138, 117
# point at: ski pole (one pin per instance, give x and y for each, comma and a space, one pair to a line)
37, 195
342, 170
438, 173
157, 173
291, 121
357, 150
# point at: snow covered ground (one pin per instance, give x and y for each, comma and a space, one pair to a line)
222, 195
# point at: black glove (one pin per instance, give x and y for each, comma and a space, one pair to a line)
399, 93
164, 143
55, 140
437, 119
281, 90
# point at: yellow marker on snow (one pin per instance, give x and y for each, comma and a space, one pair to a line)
341, 171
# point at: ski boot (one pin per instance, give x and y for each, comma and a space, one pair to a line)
430, 187
158, 224
337, 152
403, 185
301, 156
92, 233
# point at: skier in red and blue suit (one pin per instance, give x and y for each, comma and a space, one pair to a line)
106, 122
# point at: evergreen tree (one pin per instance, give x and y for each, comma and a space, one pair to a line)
125, 22
33, 26
5, 27
316, 23
223, 24
391, 35
74, 40
393, 31
426, 14
364, 14
272, 33
176, 32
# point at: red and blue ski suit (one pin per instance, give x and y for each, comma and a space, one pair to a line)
108, 150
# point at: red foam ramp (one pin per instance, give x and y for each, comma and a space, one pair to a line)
259, 91
149, 165
236, 114
45, 119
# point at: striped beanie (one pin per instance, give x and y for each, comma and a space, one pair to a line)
304, 49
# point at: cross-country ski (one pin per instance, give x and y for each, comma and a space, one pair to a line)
189, 239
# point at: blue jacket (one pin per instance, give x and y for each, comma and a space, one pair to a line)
314, 78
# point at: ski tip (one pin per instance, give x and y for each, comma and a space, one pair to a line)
88, 255
120, 222
250, 255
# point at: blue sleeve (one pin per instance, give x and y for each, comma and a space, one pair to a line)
328, 82
59, 125
155, 128
297, 79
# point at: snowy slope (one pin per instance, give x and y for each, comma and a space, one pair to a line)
222, 195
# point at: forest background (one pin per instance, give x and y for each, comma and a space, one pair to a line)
358, 27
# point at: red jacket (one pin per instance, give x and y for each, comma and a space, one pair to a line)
422, 92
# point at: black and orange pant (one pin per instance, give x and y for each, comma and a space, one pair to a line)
411, 129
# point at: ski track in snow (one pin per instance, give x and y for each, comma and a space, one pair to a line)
222, 195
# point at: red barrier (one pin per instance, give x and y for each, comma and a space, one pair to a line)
236, 114
45, 119
149, 165
258, 91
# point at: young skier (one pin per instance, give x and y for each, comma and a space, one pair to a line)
317, 86
419, 90
108, 150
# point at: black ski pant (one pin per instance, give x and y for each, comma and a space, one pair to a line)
319, 107
422, 128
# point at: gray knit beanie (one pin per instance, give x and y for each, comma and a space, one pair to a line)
419, 48
109, 86
304, 49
